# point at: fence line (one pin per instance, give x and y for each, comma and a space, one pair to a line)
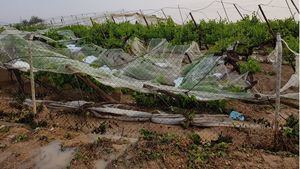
161, 14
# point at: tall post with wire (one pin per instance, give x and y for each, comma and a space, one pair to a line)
278, 86
31, 74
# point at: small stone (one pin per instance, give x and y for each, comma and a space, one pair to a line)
2, 145
2, 126
11, 136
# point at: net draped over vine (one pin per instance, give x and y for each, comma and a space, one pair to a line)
178, 69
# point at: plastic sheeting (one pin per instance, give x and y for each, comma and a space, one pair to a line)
160, 65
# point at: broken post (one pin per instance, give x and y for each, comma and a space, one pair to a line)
32, 75
225, 10
238, 11
265, 18
278, 86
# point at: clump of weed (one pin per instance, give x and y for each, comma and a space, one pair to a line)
195, 138
4, 129
147, 134
291, 127
189, 116
180, 101
21, 138
102, 129
199, 155
251, 66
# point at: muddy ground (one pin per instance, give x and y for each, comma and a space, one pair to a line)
67, 140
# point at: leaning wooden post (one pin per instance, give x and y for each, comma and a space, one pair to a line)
180, 15
238, 11
31, 74
290, 9
163, 12
278, 86
112, 18
91, 19
194, 21
295, 6
144, 18
219, 15
269, 26
225, 10
198, 29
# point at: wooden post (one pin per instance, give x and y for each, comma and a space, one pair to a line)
278, 85
225, 10
269, 26
290, 9
144, 18
164, 14
295, 6
32, 75
180, 15
238, 11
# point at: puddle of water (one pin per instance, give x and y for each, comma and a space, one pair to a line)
101, 164
52, 157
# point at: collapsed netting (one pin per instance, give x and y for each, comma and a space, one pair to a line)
177, 69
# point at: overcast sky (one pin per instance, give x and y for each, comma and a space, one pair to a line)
15, 10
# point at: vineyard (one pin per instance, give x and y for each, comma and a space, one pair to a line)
207, 94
